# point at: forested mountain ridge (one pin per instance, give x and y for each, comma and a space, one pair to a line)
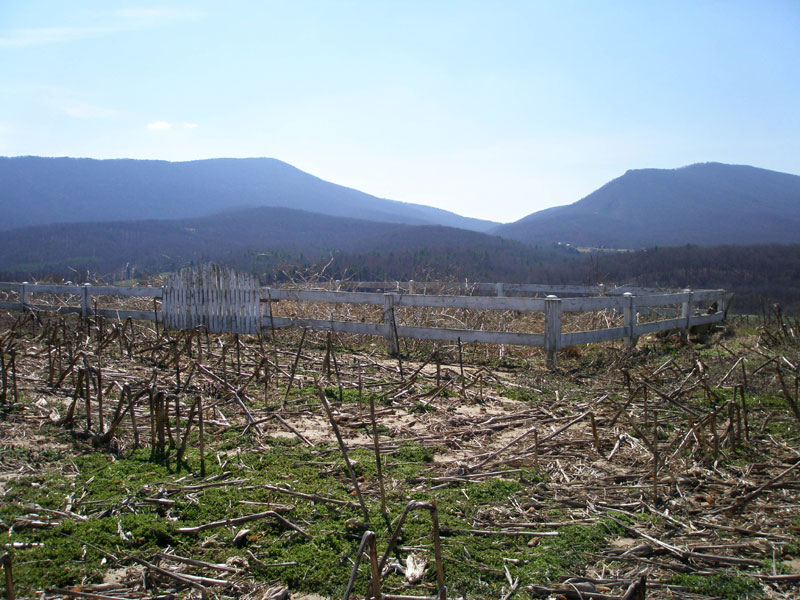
36, 190
271, 242
706, 204
716, 204
266, 235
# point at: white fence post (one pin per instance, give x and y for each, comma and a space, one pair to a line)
552, 329
85, 300
499, 289
724, 304
23, 295
631, 317
389, 324
686, 313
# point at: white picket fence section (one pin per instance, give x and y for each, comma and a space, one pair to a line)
216, 297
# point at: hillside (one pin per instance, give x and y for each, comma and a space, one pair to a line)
758, 275
705, 204
272, 242
36, 191
257, 239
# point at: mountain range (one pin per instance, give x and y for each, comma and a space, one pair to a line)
66, 212
707, 204
82, 218
36, 191
257, 239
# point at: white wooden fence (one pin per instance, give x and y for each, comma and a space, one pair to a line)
698, 307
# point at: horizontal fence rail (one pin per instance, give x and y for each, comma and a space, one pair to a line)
697, 308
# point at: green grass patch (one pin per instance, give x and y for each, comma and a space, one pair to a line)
720, 585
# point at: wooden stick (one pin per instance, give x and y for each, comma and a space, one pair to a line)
310, 497
367, 541
731, 370
197, 563
236, 395
3, 392
461, 365
245, 519
104, 437
201, 430
378, 456
182, 448
636, 590
789, 400
656, 457
5, 560
190, 580
100, 420
503, 449
283, 422
342, 447
294, 367
336, 369
87, 595
745, 499
744, 412
594, 433
14, 374
88, 380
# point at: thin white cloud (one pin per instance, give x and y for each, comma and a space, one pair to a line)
159, 126
190, 125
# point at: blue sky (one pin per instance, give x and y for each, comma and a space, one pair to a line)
490, 109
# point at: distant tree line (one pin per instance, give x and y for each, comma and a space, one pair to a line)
279, 244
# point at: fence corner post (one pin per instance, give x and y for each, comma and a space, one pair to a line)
23, 295
552, 329
631, 318
389, 324
725, 303
686, 314
85, 300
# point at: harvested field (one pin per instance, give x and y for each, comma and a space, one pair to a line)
140, 463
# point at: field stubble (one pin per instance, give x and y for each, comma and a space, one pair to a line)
141, 463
